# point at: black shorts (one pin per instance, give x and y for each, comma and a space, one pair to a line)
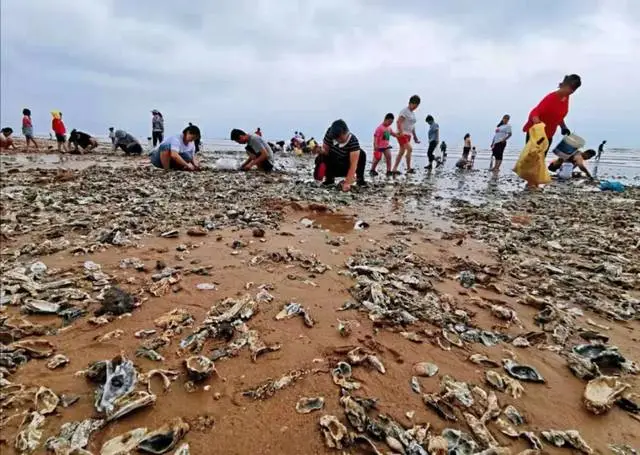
265, 166
465, 152
133, 149
61, 138
498, 150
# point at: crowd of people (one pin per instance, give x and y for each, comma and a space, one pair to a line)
341, 154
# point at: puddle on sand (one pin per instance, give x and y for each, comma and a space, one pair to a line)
334, 222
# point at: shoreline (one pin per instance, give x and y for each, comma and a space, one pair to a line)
565, 251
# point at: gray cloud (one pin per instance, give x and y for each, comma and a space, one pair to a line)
286, 64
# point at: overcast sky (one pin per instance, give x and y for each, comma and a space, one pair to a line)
285, 64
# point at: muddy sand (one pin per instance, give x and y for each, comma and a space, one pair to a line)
411, 284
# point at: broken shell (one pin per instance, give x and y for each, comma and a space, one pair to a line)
40, 307
480, 431
582, 367
513, 415
522, 372
425, 369
440, 406
481, 359
124, 443
306, 405
415, 385
199, 367
28, 438
129, 403
514, 388
73, 437
46, 401
355, 412
506, 428
601, 393
452, 338
495, 379
438, 446
335, 433
36, 349
571, 438
57, 361
164, 438
532, 439
182, 450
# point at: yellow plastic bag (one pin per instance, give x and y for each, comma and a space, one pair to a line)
530, 165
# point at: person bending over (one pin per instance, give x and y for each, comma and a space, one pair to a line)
82, 140
341, 156
578, 160
178, 152
127, 143
6, 141
259, 152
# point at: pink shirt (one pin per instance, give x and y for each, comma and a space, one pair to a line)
26, 122
381, 136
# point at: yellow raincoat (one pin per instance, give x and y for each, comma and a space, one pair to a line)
530, 166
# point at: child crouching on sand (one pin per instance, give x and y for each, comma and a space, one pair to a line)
178, 152
259, 152
381, 146
6, 141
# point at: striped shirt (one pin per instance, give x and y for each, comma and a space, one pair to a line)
341, 151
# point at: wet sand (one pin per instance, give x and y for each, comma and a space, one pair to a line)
272, 426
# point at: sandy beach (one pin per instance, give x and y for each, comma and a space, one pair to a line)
387, 277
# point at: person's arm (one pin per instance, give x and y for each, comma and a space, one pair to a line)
437, 139
246, 163
259, 159
175, 156
196, 162
415, 136
399, 125
563, 128
351, 173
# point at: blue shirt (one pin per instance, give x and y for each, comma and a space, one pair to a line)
434, 130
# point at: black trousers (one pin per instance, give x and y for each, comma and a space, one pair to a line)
157, 137
430, 150
339, 167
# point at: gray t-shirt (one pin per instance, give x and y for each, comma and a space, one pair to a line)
434, 130
124, 138
256, 144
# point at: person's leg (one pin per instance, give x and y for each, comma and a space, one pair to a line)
430, 155
362, 164
407, 156
387, 160
33, 141
401, 152
320, 168
165, 159
154, 138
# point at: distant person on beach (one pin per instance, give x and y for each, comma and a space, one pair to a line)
157, 127
57, 125
260, 154
127, 143
406, 130
178, 152
27, 129
6, 141
499, 142
82, 140
553, 109
340, 156
443, 150
258, 132
112, 135
473, 156
381, 145
467, 146
434, 139
600, 150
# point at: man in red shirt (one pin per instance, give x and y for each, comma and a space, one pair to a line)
554, 108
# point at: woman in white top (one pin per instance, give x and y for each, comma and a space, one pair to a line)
499, 142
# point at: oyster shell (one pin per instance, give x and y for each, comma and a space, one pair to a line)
73, 436
480, 431
458, 390
495, 380
532, 439
40, 307
438, 445
334, 432
459, 442
522, 372
415, 385
129, 403
513, 415
571, 438
120, 380
306, 405
341, 375
35, 349
124, 443
199, 368
164, 438
355, 412
582, 367
57, 361
46, 401
601, 393
425, 369
481, 359
358, 356
440, 406
183, 449
295, 309
28, 438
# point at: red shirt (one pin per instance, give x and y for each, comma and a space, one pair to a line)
58, 126
26, 122
551, 111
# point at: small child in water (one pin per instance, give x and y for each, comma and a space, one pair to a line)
27, 129
381, 146
112, 135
